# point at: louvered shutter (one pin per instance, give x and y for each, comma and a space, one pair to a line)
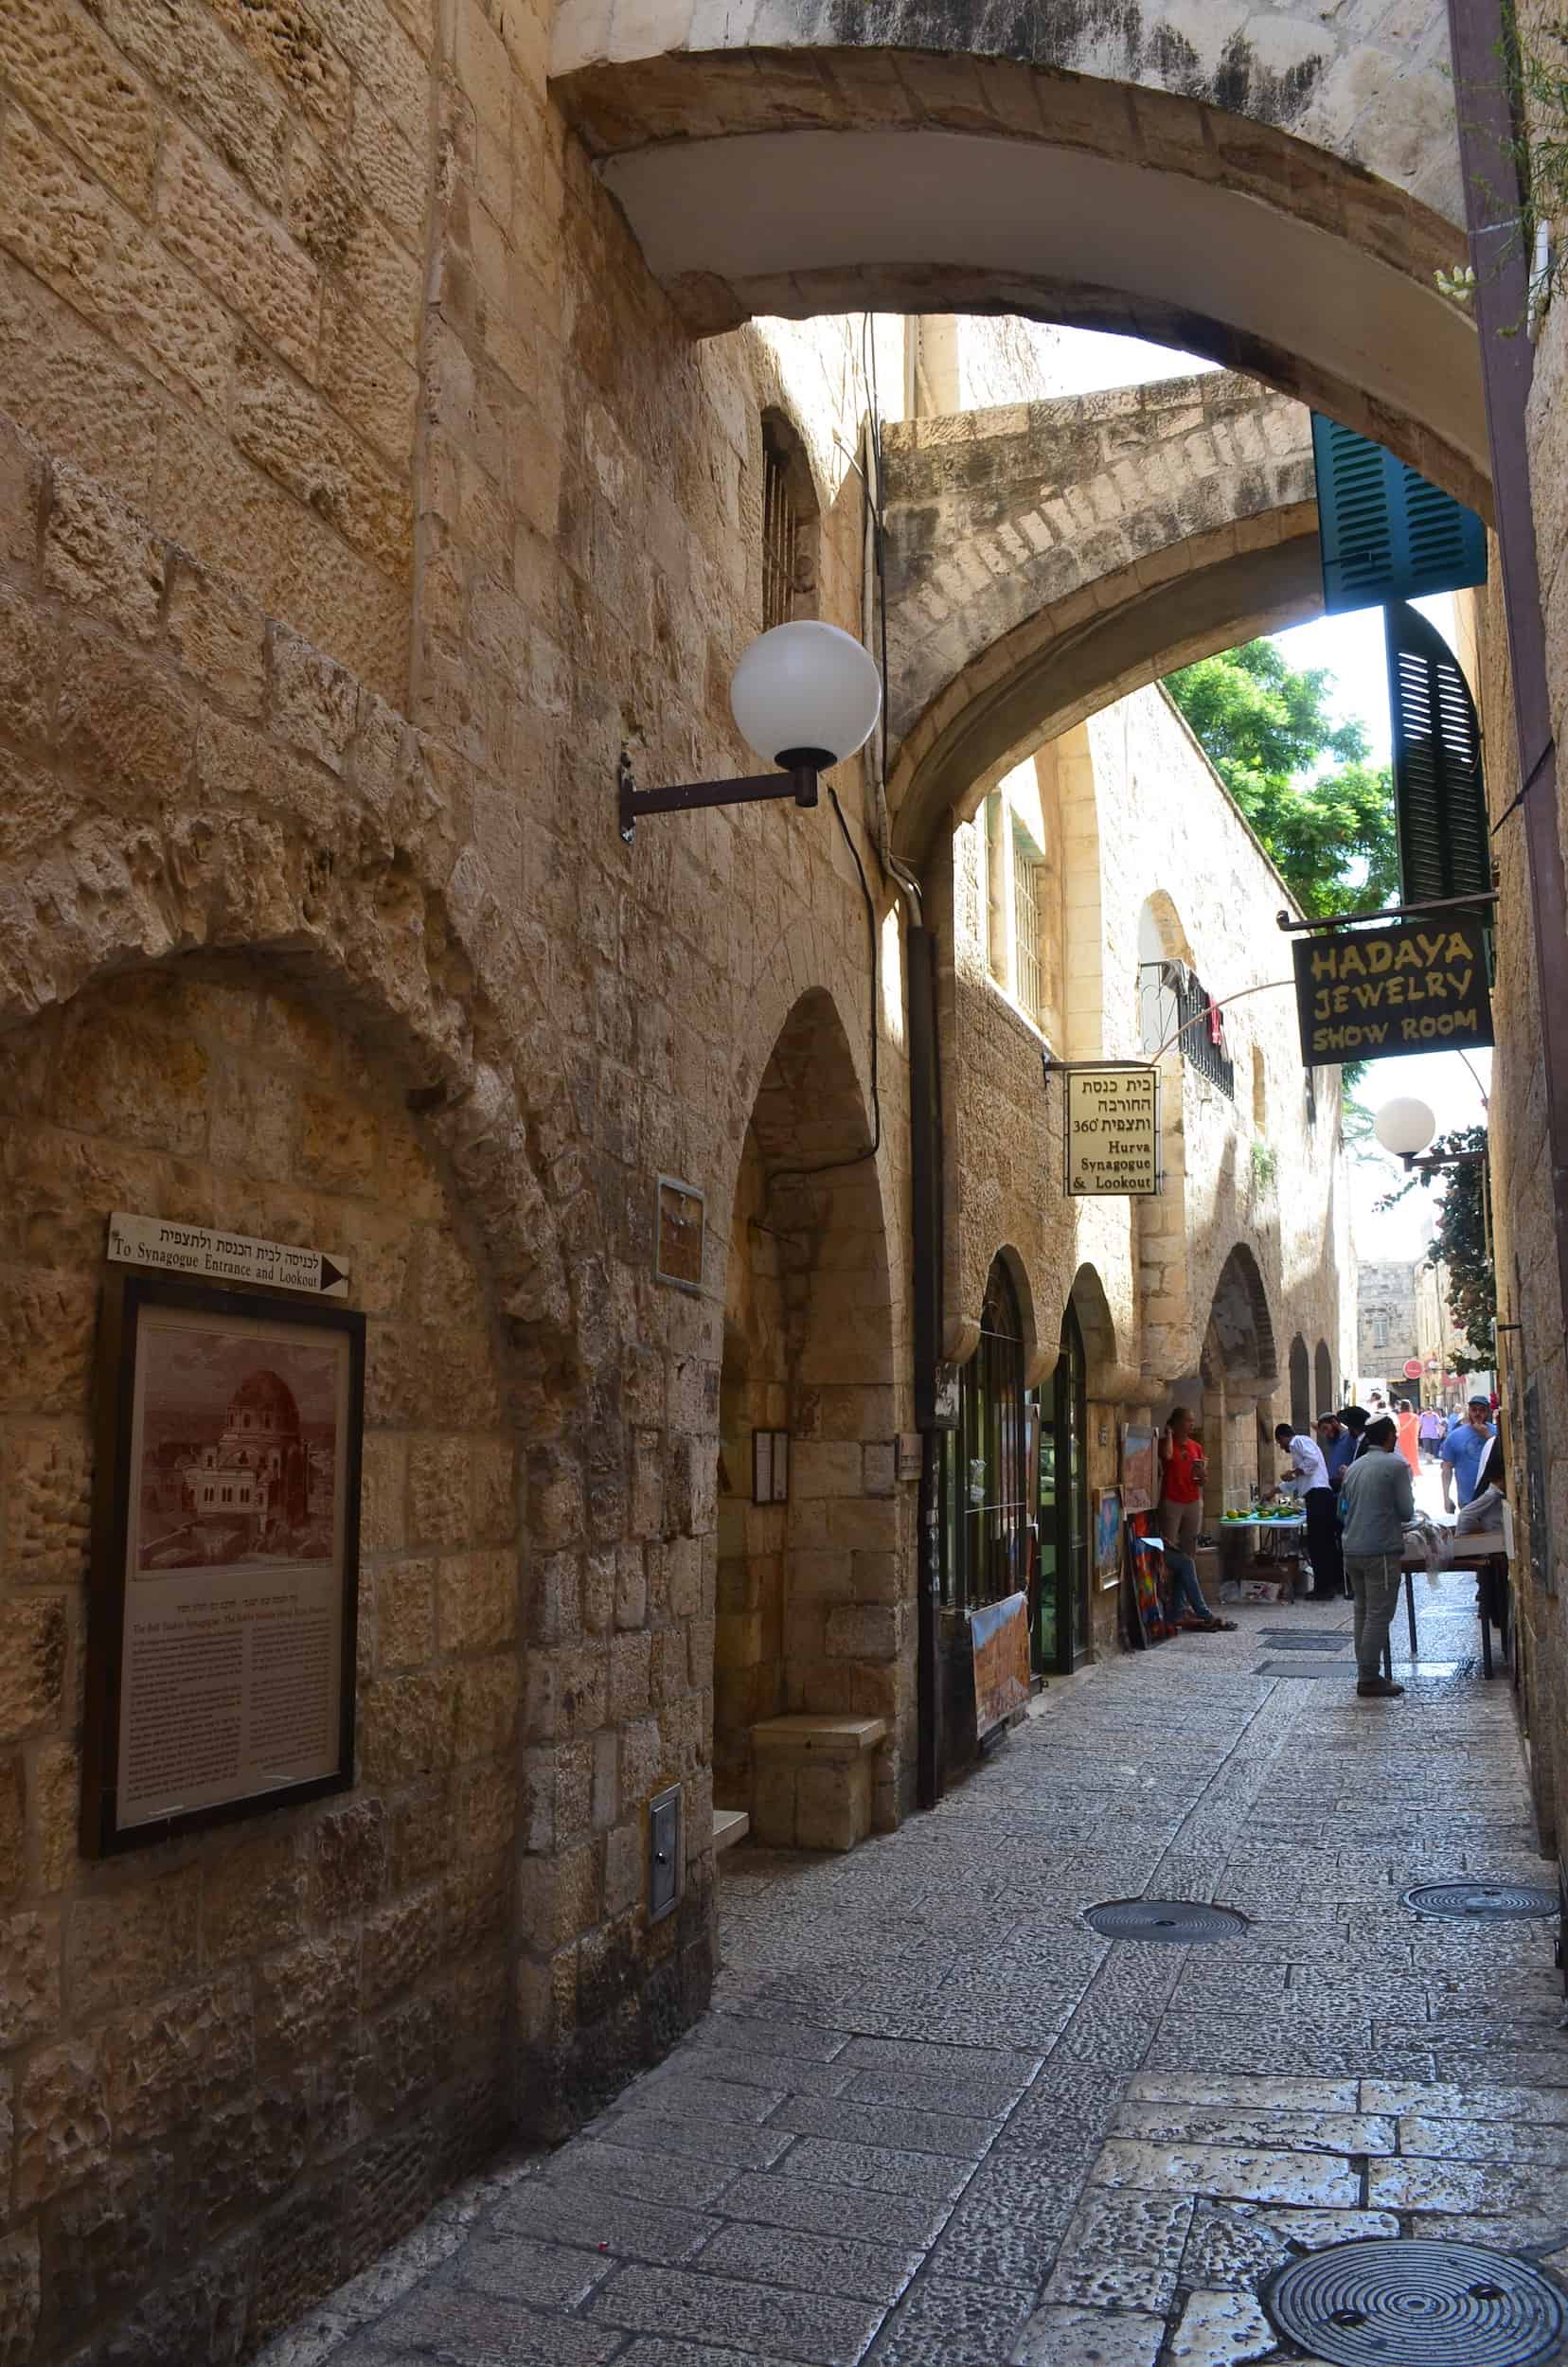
1386, 533
1439, 798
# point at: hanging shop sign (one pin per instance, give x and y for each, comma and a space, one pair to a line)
1113, 1130
224, 1583
1409, 986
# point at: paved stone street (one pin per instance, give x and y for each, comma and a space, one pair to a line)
934, 2121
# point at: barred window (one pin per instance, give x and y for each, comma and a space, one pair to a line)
789, 528
1027, 931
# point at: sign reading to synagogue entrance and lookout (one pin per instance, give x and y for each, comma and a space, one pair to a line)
1113, 1130
1410, 985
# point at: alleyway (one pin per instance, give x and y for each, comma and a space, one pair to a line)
934, 2121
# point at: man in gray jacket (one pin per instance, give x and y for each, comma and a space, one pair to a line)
1377, 1501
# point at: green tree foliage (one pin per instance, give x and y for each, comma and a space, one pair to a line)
1460, 1241
1266, 729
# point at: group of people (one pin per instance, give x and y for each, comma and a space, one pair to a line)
1354, 1481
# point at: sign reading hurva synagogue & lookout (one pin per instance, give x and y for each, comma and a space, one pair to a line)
1411, 986
1113, 1130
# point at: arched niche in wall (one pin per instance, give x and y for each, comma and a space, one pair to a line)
1301, 1385
807, 1580
247, 1093
1323, 1375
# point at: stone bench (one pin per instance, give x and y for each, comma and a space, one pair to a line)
812, 1782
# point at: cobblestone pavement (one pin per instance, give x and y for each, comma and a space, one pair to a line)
934, 2121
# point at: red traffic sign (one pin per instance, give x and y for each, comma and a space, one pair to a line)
1414, 1368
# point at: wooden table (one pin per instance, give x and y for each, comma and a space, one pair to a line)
1481, 1549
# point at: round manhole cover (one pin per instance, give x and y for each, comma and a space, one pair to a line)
1394, 2301
1480, 1898
1186, 1920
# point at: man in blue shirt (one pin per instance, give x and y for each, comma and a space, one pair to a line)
1337, 1444
1464, 1451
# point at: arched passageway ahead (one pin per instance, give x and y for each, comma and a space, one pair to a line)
1281, 214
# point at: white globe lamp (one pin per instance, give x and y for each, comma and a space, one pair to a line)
805, 696
1405, 1127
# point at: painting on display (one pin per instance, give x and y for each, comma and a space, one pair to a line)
999, 1637
1140, 1472
1108, 1537
224, 1561
1145, 1553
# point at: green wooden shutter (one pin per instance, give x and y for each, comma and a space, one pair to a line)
1439, 797
1386, 533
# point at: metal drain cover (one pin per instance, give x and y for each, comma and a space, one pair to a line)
1300, 1668
1396, 2302
1309, 1643
1481, 1898
1185, 1920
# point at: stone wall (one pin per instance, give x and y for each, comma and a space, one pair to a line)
211, 268
1387, 1325
237, 2063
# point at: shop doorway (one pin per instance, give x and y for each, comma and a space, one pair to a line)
1060, 1624
987, 1510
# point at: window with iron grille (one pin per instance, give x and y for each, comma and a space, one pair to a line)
1026, 939
1201, 1040
786, 530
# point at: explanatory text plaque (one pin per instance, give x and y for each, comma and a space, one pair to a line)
225, 1557
1114, 1129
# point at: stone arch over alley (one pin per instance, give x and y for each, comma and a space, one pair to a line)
808, 176
811, 1610
1046, 558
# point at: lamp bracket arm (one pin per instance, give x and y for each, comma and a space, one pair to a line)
799, 782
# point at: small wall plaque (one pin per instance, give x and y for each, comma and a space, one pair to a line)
770, 1467
677, 1252
910, 1454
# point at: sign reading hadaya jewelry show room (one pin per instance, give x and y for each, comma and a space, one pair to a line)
1113, 1130
1411, 986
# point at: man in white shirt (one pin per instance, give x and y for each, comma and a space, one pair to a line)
1311, 1475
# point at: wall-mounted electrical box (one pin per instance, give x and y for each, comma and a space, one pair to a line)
664, 1852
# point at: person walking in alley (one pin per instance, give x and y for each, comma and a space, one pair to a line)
1311, 1475
1465, 1451
1378, 1498
1337, 1445
1409, 1437
1432, 1427
1181, 1474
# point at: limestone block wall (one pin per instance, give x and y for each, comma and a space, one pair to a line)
404, 788
237, 2061
1387, 1325
211, 285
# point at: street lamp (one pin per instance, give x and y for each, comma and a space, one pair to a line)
805, 696
1404, 1127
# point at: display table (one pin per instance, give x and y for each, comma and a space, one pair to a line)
1260, 1531
1486, 1552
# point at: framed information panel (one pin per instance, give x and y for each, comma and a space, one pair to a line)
224, 1575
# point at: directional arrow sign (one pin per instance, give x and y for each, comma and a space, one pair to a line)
195, 1249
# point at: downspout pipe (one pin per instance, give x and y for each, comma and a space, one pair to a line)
1478, 39
925, 1148
925, 1144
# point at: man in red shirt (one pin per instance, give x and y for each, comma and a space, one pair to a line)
1182, 1470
